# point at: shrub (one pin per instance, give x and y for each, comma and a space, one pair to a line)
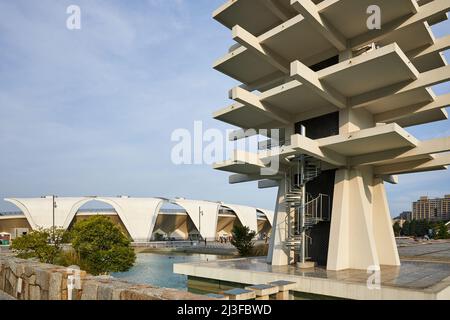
101, 246
243, 240
68, 257
43, 244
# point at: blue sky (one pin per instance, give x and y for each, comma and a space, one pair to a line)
91, 112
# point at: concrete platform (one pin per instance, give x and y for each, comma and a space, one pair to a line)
414, 280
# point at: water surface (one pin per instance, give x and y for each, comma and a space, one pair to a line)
157, 269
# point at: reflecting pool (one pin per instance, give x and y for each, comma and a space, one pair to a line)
157, 269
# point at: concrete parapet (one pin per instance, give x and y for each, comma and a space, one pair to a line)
31, 280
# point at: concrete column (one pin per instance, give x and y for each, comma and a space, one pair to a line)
382, 226
345, 55
351, 120
279, 254
352, 240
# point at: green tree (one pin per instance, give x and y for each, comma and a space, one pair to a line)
412, 228
442, 231
406, 228
397, 229
243, 240
424, 227
101, 246
43, 244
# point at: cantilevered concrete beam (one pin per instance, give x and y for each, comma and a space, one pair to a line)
385, 137
245, 97
244, 116
424, 148
396, 114
267, 184
389, 179
241, 178
311, 147
308, 77
252, 43
247, 133
440, 45
309, 11
414, 166
247, 163
426, 79
414, 6
424, 13
429, 78
263, 83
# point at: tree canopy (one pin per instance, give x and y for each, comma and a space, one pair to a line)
420, 228
101, 246
43, 244
98, 246
243, 240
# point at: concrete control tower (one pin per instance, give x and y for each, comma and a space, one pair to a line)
333, 84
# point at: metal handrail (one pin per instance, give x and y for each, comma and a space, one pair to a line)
308, 211
315, 213
314, 210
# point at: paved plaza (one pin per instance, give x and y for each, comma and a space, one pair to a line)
436, 250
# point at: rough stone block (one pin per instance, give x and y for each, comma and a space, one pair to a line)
2, 280
9, 264
25, 290
89, 290
44, 294
29, 269
20, 269
117, 293
135, 295
105, 292
118, 288
7, 287
34, 293
12, 279
55, 286
42, 278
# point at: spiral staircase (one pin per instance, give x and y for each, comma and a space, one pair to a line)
305, 211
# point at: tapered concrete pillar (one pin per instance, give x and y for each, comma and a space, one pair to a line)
352, 240
382, 226
279, 254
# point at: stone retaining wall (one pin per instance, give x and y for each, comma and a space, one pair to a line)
31, 280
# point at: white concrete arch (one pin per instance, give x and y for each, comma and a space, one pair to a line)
39, 211
204, 215
137, 214
246, 215
23, 207
269, 215
74, 209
